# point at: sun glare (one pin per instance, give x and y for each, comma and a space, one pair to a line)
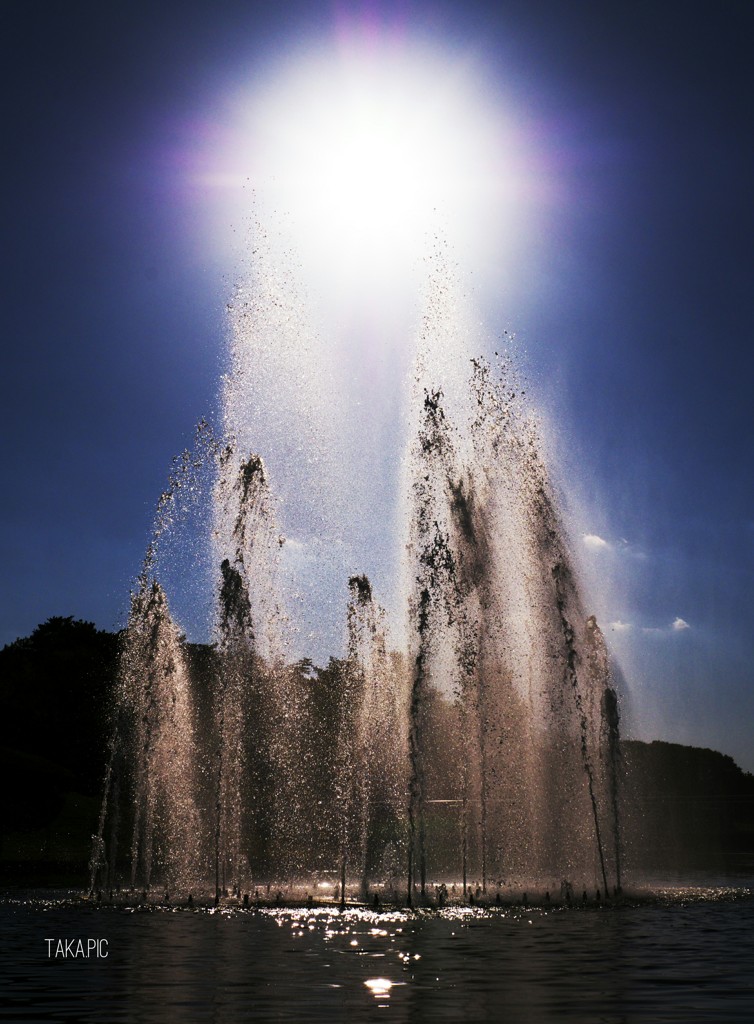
367, 158
367, 151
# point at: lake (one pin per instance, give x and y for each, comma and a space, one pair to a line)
689, 959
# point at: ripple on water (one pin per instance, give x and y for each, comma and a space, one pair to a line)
687, 957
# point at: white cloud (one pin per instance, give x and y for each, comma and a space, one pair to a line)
594, 542
620, 627
677, 626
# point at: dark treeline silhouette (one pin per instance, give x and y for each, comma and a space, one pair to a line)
685, 808
55, 690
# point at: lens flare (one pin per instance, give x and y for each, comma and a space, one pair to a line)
367, 151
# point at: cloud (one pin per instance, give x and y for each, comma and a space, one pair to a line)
594, 542
622, 547
620, 627
678, 625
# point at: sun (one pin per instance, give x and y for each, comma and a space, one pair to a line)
369, 157
369, 149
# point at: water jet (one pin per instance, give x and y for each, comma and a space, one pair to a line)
489, 744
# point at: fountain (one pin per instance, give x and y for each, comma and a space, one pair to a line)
487, 748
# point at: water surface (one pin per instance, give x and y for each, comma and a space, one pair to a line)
687, 959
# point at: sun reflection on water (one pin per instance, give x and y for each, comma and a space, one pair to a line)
379, 987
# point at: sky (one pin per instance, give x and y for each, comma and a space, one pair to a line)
622, 261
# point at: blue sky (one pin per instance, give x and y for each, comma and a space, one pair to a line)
629, 285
